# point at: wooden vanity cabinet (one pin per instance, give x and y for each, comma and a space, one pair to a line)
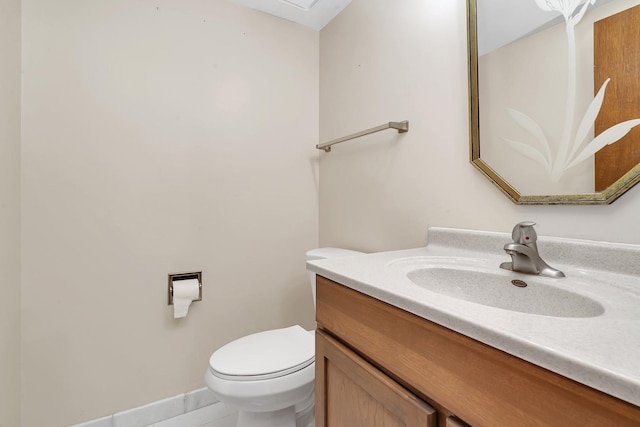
378, 365
359, 395
452, 421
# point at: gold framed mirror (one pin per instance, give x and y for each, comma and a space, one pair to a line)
550, 99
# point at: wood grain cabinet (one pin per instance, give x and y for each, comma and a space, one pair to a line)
359, 395
377, 365
452, 421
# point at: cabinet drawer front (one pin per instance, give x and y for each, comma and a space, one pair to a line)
351, 392
459, 375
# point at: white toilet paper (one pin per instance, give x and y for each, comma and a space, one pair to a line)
184, 292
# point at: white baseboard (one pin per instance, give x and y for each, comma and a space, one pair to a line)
155, 412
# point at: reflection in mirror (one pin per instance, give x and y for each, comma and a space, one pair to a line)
554, 102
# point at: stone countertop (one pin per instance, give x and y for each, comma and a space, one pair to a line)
602, 352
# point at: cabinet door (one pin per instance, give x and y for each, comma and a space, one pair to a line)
352, 393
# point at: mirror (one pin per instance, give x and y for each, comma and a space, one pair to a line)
553, 95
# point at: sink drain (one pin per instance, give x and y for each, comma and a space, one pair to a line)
519, 283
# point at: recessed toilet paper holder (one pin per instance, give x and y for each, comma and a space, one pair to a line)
185, 276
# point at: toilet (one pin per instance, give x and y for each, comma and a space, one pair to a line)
269, 376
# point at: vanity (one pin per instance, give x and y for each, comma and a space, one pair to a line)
404, 338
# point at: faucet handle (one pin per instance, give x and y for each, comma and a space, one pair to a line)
524, 233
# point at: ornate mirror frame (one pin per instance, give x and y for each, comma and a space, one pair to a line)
608, 196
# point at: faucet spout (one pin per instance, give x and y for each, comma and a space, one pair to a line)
524, 253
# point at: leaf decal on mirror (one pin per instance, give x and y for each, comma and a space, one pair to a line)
544, 5
534, 129
609, 136
529, 152
589, 119
565, 7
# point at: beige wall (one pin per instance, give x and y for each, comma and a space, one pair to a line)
159, 137
10, 213
383, 60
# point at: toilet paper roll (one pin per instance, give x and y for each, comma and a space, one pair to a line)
184, 292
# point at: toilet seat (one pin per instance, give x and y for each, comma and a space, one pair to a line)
264, 355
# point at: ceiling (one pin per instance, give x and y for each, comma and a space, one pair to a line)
501, 22
314, 14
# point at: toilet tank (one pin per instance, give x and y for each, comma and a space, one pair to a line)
326, 253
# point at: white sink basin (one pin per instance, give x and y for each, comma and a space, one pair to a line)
496, 290
473, 281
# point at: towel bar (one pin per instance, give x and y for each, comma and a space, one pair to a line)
401, 127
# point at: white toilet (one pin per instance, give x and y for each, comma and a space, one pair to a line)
269, 376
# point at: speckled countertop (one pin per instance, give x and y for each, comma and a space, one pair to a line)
601, 351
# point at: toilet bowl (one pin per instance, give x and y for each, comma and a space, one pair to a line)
269, 376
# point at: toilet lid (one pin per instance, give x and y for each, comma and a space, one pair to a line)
264, 355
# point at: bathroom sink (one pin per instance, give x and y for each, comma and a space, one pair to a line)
476, 283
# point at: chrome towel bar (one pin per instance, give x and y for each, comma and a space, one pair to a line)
401, 127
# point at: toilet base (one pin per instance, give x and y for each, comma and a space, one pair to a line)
283, 418
306, 418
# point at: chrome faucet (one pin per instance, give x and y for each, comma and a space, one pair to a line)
524, 252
